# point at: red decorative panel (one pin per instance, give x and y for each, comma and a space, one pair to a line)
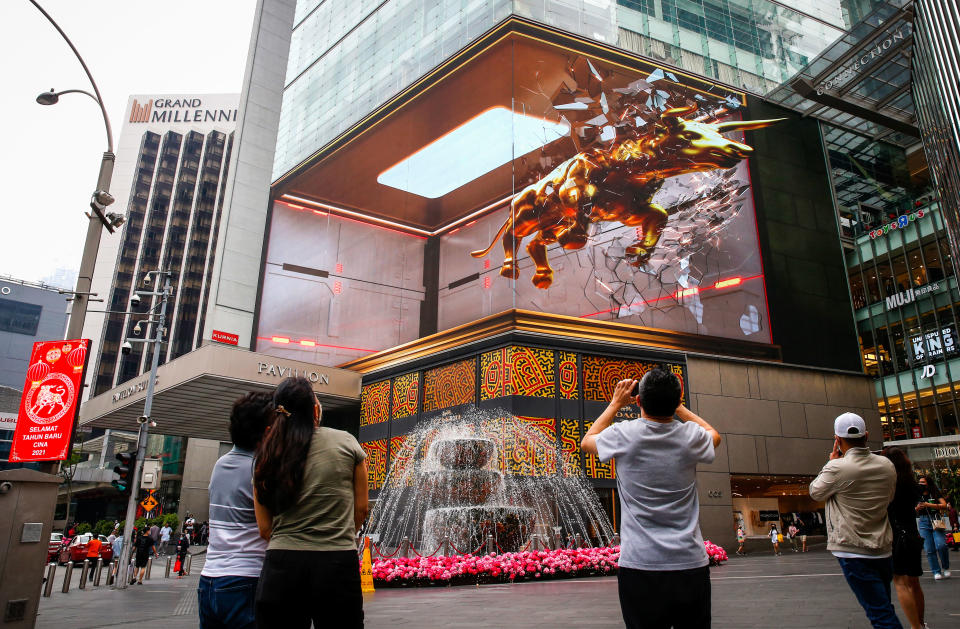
375, 403
570, 445
376, 462
517, 371
406, 395
596, 469
568, 380
449, 385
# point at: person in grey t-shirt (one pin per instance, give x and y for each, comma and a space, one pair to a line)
663, 578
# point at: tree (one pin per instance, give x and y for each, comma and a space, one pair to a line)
68, 469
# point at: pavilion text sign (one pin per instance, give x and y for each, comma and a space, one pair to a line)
48, 406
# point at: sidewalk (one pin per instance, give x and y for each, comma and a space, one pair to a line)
159, 602
796, 590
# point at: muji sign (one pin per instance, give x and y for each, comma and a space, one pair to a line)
48, 406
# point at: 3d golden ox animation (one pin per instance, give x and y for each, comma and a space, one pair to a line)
615, 184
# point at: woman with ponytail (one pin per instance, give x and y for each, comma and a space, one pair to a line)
310, 497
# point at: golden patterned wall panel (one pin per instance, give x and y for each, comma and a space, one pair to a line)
406, 395
601, 374
517, 370
570, 444
596, 469
568, 376
401, 455
375, 403
530, 451
449, 385
376, 462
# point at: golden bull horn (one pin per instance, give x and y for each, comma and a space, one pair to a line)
677, 112
744, 125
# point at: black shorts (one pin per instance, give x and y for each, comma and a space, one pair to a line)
663, 599
142, 559
296, 587
907, 549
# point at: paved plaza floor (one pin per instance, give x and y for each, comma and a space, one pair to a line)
760, 590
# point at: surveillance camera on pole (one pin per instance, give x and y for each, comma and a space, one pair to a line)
126, 348
98, 203
137, 329
135, 301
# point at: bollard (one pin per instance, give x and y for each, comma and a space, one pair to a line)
51, 573
577, 541
111, 567
84, 573
186, 568
615, 541
149, 566
557, 541
97, 570
166, 570
66, 577
489, 543
405, 547
445, 547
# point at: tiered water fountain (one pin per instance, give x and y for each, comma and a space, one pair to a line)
466, 497
449, 488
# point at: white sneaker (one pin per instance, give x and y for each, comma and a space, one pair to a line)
937, 576
946, 574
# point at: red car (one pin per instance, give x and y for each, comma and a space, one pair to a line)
76, 550
54, 546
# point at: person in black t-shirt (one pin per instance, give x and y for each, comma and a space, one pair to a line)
906, 540
144, 546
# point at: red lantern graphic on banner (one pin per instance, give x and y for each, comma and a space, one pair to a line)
37, 372
77, 358
51, 396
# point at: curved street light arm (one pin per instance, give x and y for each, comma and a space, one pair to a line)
96, 90
78, 92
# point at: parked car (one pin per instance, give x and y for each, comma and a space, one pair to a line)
53, 546
76, 550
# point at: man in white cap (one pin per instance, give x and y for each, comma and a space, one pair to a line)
857, 486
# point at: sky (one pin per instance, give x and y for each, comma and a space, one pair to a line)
51, 155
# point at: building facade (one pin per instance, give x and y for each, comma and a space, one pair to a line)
29, 312
172, 167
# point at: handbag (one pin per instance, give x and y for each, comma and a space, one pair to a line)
939, 524
779, 537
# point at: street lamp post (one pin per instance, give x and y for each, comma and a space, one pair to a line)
81, 297
156, 339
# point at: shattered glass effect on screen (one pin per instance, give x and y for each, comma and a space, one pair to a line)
703, 236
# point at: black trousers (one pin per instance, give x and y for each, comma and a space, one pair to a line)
299, 586
654, 599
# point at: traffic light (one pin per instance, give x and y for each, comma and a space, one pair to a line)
124, 470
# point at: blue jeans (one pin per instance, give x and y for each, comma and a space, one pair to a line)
934, 544
227, 602
870, 581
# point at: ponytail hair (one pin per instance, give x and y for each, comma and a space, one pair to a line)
282, 455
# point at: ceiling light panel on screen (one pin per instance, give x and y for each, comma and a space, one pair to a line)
483, 143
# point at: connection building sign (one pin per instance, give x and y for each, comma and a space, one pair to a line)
51, 396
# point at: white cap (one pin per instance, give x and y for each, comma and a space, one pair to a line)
849, 426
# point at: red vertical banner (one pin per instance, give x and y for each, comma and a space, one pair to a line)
51, 397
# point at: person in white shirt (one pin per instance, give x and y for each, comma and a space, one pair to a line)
165, 533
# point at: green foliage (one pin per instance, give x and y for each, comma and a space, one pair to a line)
82, 528
103, 527
949, 483
140, 523
171, 520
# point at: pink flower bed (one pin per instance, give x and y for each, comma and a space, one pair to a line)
519, 566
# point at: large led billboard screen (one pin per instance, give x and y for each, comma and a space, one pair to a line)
529, 176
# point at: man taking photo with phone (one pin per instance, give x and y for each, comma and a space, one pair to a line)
664, 578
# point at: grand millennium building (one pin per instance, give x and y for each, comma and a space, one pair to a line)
358, 226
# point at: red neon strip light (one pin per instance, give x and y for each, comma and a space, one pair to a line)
285, 341
684, 292
354, 220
